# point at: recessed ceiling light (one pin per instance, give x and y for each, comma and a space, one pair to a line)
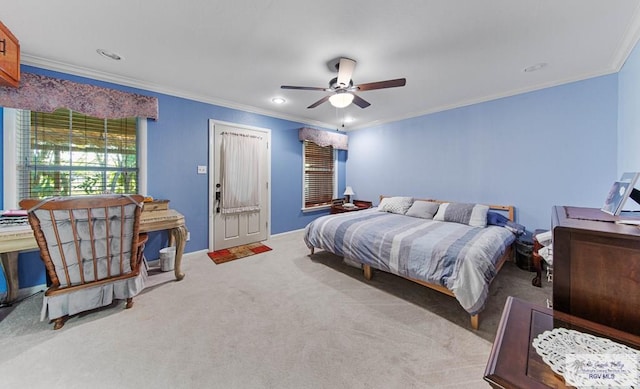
109, 54
278, 100
348, 119
535, 67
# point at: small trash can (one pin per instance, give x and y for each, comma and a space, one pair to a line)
524, 253
167, 258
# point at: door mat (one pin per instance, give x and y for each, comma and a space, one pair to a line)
226, 255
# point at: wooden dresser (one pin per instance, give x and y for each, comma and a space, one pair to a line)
596, 290
596, 265
514, 362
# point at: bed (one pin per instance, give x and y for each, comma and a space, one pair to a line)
456, 255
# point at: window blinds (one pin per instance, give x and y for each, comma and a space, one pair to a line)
67, 153
319, 164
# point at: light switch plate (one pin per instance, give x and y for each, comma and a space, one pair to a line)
202, 169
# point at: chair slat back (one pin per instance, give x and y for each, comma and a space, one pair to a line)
88, 238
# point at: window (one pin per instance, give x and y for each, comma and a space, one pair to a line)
319, 170
67, 153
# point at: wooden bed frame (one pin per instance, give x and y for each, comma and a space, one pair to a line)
508, 255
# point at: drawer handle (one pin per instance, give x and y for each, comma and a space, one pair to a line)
3, 46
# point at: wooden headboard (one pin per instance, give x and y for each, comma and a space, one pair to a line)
510, 209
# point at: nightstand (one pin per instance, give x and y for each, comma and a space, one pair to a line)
359, 206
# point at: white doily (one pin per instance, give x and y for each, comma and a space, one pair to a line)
584, 360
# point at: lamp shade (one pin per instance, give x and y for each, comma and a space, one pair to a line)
348, 191
341, 100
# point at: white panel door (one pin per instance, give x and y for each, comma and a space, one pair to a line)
236, 229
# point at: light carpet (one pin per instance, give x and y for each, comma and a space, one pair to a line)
276, 320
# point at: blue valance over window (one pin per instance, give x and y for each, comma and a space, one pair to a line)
324, 138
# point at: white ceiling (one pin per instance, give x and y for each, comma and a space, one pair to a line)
237, 53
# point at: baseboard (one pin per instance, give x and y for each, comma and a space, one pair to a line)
26, 292
195, 253
156, 262
286, 233
23, 293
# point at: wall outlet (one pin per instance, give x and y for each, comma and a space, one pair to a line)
202, 169
188, 236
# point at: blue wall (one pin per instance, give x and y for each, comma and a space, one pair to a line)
629, 114
177, 144
555, 146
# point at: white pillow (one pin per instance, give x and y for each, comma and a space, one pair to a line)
397, 204
474, 215
383, 204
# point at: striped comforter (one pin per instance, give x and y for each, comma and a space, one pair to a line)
456, 256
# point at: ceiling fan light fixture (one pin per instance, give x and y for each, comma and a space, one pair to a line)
341, 100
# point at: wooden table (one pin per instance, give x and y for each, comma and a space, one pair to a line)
514, 363
16, 239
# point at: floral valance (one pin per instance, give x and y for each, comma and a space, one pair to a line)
324, 138
47, 94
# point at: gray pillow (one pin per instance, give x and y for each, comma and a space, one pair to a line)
396, 204
423, 209
474, 215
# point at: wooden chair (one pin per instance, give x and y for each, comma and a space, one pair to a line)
92, 251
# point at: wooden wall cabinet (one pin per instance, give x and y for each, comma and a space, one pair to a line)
596, 267
9, 58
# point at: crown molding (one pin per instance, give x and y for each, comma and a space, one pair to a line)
484, 99
31, 60
631, 37
622, 53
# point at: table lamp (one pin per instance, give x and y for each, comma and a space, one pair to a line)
348, 193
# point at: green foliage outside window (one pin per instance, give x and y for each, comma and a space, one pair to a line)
67, 153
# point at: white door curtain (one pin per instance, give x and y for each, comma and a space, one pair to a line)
240, 173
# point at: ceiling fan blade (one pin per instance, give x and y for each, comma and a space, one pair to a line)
345, 71
304, 88
382, 84
360, 102
322, 100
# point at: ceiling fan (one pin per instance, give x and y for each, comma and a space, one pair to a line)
342, 88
